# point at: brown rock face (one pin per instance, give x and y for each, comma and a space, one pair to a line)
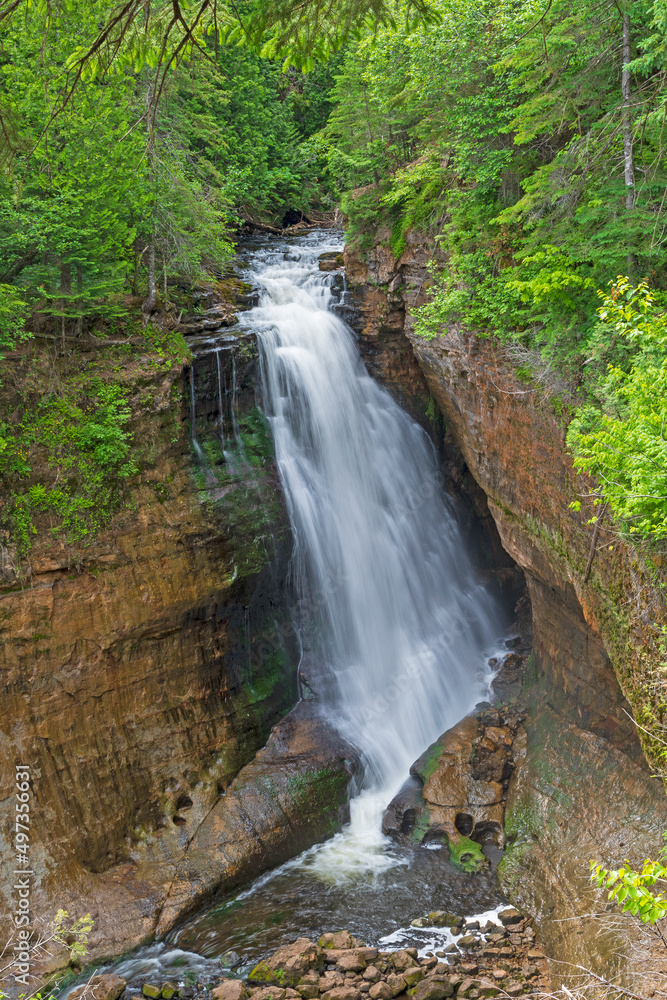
140, 675
291, 795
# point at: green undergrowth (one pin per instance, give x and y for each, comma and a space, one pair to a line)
69, 447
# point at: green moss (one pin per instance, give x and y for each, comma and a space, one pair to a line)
422, 825
466, 854
261, 973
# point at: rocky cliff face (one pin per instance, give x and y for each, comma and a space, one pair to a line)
142, 672
581, 788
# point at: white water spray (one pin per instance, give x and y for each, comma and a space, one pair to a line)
379, 560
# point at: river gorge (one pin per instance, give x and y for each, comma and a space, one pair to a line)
345, 663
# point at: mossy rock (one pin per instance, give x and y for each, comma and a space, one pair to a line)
468, 855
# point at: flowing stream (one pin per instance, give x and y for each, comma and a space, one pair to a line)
396, 630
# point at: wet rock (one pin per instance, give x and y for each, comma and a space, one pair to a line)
510, 916
288, 965
169, 991
468, 941
230, 989
269, 813
400, 815
433, 988
403, 959
330, 261
230, 959
101, 988
150, 991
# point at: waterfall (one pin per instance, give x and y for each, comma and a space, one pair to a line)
403, 629
193, 416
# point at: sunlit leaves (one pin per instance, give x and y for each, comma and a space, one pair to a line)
633, 890
624, 445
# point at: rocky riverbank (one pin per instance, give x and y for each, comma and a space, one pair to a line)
501, 957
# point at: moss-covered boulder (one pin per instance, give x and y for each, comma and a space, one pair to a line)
289, 964
466, 854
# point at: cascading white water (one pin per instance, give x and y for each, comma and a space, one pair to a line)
405, 630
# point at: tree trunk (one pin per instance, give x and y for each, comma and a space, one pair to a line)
79, 291
627, 120
65, 290
370, 134
150, 301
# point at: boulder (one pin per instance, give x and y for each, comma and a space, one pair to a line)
230, 989
433, 988
342, 993
396, 984
287, 966
380, 991
402, 960
101, 988
412, 976
269, 993
455, 789
351, 961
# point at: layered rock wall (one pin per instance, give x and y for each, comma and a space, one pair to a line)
141, 673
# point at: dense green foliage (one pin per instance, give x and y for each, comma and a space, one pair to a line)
622, 441
634, 890
503, 133
107, 173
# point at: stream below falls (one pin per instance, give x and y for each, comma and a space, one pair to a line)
396, 629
